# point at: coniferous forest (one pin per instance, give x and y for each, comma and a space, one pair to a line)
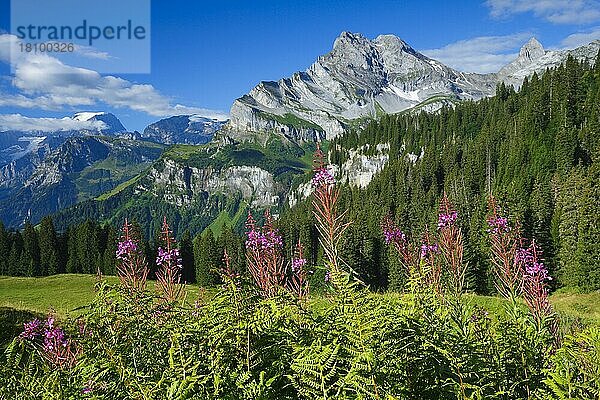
536, 150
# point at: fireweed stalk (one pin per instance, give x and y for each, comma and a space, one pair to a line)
329, 222
505, 242
451, 245
168, 261
535, 287
264, 255
132, 268
298, 281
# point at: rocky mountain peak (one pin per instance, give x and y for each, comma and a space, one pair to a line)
349, 39
393, 42
532, 50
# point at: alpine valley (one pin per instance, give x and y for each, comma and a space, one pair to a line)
200, 172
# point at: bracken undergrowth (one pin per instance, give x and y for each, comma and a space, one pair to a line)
262, 335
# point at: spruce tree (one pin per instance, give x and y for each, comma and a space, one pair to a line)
31, 251
48, 247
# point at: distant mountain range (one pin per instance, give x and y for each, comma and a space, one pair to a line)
258, 155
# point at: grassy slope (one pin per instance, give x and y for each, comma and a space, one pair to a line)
62, 294
65, 293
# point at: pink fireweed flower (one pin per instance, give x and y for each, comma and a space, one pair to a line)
498, 224
298, 264
448, 219
164, 257
327, 276
393, 235
125, 248
323, 177
427, 249
31, 329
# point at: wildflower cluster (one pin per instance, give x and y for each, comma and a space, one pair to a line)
169, 265
429, 249
298, 264
126, 248
55, 346
165, 257
264, 254
395, 237
498, 224
323, 177
447, 219
132, 268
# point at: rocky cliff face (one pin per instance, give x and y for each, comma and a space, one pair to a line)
180, 184
359, 78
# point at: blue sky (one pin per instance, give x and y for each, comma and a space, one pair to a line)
204, 54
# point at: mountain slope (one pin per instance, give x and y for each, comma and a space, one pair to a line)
182, 129
80, 168
361, 79
533, 58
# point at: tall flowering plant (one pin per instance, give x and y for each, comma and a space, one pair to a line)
505, 243
451, 245
169, 263
535, 285
264, 255
330, 223
132, 267
298, 280
59, 350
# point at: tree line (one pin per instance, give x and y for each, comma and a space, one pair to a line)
89, 248
536, 149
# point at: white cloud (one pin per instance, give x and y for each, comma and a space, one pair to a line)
90, 52
555, 11
47, 83
18, 122
482, 54
580, 38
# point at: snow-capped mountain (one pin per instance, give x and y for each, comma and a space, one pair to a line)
189, 129
362, 78
112, 123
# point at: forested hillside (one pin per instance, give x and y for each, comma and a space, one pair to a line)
537, 150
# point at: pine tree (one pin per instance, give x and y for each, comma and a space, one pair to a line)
186, 249
48, 247
5, 246
15, 266
31, 251
207, 259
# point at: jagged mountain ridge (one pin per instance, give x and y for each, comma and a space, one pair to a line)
362, 78
533, 58
359, 78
